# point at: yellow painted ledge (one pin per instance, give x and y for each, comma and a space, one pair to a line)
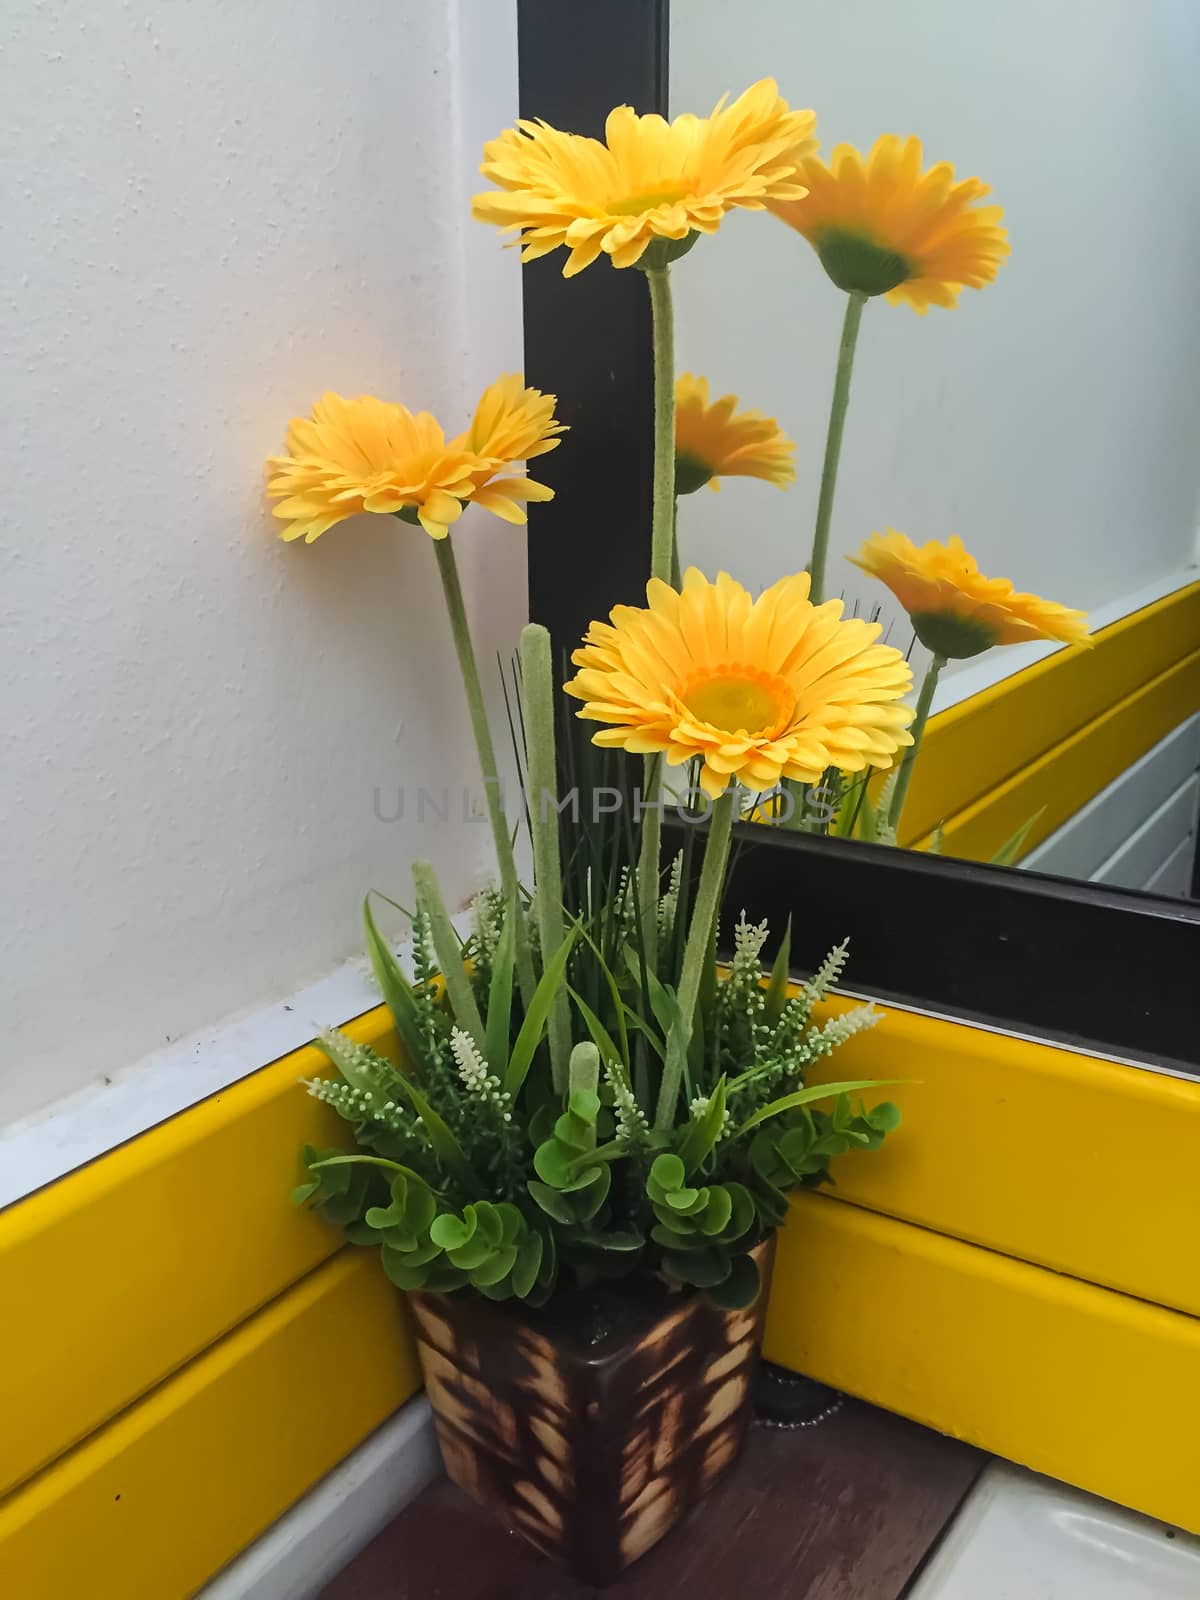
166, 1495
1066, 777
975, 746
1084, 1166
130, 1266
1071, 1380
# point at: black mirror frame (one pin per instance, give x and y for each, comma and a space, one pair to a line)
1109, 971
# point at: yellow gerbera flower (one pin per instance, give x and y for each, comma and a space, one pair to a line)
717, 441
648, 179
511, 423
374, 455
955, 611
757, 689
886, 227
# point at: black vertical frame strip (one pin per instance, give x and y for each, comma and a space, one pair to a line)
588, 338
1109, 970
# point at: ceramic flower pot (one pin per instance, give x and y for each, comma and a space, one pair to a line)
592, 1451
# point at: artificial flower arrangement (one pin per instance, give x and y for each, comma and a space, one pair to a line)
578, 1160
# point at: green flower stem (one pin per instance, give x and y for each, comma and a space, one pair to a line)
448, 948
457, 612
541, 773
924, 700
833, 443
662, 560
676, 568
662, 526
697, 951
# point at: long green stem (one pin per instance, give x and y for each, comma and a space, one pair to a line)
541, 774
662, 525
662, 552
924, 701
457, 612
833, 443
697, 950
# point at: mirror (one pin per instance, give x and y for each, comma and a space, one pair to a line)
1049, 420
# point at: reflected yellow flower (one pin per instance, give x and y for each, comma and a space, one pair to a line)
373, 455
885, 227
648, 179
957, 612
715, 441
757, 689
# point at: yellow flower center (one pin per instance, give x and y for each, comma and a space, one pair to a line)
637, 203
739, 701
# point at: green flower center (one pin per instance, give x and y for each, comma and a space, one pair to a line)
637, 203
858, 265
956, 638
691, 474
735, 704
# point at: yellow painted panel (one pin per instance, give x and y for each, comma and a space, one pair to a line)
158, 1501
1089, 1386
971, 748
1084, 1166
127, 1268
1066, 777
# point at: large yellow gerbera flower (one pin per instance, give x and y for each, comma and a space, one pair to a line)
649, 179
886, 227
715, 441
955, 611
757, 689
373, 455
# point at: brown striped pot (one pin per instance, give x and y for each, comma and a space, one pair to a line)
592, 1452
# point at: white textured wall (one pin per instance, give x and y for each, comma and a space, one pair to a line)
1052, 420
214, 211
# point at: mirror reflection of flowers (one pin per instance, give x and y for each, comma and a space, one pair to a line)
956, 613
714, 440
884, 227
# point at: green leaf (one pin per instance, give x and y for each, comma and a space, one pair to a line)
803, 1097
451, 1232
551, 1201
534, 1024
740, 1288
1013, 846
885, 1117
702, 1133
703, 1269
618, 1239
395, 988
496, 1267
304, 1190
780, 981
553, 1164
717, 1212
528, 1260
668, 1171
500, 991
365, 1161
601, 1037
445, 1146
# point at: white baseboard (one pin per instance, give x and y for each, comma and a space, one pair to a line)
301, 1553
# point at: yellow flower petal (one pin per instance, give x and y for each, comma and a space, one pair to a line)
647, 179
884, 227
955, 610
715, 440
754, 688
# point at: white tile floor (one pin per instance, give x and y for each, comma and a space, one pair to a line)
1023, 1537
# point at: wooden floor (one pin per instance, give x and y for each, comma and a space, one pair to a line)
844, 1511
